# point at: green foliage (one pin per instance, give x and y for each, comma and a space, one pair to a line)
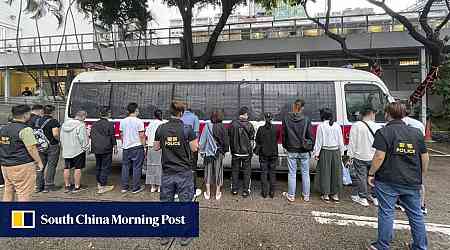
120, 12
40, 8
442, 88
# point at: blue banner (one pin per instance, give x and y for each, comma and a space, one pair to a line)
99, 219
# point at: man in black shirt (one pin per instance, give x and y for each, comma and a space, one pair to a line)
103, 145
242, 135
398, 167
51, 131
177, 143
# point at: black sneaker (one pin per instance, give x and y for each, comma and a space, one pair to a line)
67, 189
136, 191
245, 194
424, 210
264, 195
38, 190
79, 189
272, 194
234, 192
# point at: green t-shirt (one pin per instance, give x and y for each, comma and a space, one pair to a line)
27, 136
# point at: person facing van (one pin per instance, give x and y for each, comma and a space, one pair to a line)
242, 134
178, 143
328, 149
267, 150
360, 152
133, 141
298, 141
103, 145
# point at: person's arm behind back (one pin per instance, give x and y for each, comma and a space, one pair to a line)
27, 137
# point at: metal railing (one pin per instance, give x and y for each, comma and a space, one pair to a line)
256, 30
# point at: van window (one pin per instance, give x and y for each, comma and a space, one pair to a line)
278, 97
250, 96
89, 97
360, 96
204, 98
149, 97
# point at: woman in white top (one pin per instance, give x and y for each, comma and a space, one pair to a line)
154, 168
328, 149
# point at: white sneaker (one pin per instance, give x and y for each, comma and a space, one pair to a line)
355, 198
2, 186
198, 192
374, 200
363, 202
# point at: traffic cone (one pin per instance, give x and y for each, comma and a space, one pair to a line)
428, 133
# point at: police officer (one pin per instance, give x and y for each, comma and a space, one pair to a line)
398, 167
178, 143
19, 156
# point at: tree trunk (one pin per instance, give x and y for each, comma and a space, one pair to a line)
207, 55
188, 46
53, 85
75, 32
19, 54
96, 43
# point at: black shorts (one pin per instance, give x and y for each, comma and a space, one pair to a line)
77, 162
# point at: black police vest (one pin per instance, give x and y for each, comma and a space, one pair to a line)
402, 164
12, 149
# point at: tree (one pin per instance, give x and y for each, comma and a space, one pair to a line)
123, 13
38, 10
185, 8
432, 41
325, 26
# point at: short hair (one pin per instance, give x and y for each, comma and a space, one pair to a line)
243, 111
37, 107
177, 108
367, 110
396, 110
158, 114
81, 113
49, 109
20, 110
298, 104
132, 107
216, 117
104, 111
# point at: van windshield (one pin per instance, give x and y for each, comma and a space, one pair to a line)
204, 97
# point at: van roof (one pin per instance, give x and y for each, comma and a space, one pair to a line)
276, 74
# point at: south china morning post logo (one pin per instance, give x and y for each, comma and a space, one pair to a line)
99, 219
23, 219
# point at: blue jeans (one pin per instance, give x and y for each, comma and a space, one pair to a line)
179, 183
387, 195
132, 158
293, 159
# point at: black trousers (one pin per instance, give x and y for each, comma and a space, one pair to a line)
103, 164
268, 178
239, 163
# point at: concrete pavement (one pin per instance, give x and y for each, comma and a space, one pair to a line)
257, 223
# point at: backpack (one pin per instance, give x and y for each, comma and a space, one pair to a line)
42, 140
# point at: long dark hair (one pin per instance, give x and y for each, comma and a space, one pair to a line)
327, 114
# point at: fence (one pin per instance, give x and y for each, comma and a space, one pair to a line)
270, 29
6, 105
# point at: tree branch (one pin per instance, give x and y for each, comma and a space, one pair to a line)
423, 18
403, 20
445, 21
340, 39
